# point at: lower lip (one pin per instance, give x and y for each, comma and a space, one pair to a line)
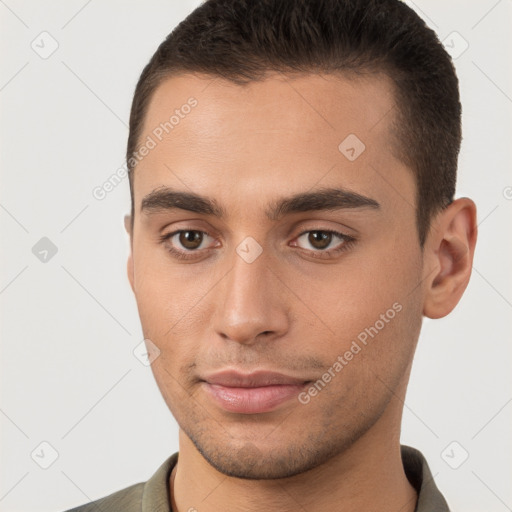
252, 400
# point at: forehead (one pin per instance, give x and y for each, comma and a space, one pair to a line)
302, 103
282, 134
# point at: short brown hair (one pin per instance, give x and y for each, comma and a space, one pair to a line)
243, 40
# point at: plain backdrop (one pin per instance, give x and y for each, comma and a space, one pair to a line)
69, 377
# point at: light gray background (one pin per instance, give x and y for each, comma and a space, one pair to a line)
69, 325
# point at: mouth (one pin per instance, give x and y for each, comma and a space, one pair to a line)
252, 393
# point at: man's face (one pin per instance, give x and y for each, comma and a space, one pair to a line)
279, 293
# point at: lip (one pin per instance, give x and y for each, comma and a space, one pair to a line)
252, 393
261, 378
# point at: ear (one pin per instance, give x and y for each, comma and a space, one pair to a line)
448, 257
129, 266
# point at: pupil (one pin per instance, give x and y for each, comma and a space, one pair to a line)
320, 239
189, 239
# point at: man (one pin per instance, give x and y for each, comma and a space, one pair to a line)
292, 173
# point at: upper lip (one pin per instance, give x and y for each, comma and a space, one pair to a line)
235, 379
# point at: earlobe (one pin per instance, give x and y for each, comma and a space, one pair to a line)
449, 252
129, 265
129, 269
128, 224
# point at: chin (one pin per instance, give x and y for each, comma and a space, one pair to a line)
253, 461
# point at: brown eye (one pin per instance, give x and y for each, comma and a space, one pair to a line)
186, 244
190, 239
320, 239
323, 243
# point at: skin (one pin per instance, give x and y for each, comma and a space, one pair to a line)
289, 311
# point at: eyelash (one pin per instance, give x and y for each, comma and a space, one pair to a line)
347, 240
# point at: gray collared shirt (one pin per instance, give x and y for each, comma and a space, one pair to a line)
154, 495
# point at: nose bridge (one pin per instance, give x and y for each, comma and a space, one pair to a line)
248, 303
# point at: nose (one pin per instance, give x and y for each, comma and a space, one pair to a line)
250, 303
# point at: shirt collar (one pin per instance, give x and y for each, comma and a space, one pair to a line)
419, 475
156, 495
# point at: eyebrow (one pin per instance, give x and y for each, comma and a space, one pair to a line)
325, 199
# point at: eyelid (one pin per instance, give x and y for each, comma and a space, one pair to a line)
172, 234
184, 254
346, 242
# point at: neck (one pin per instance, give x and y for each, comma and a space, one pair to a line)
367, 476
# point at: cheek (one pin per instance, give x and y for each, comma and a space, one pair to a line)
170, 299
376, 325
371, 298
166, 293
